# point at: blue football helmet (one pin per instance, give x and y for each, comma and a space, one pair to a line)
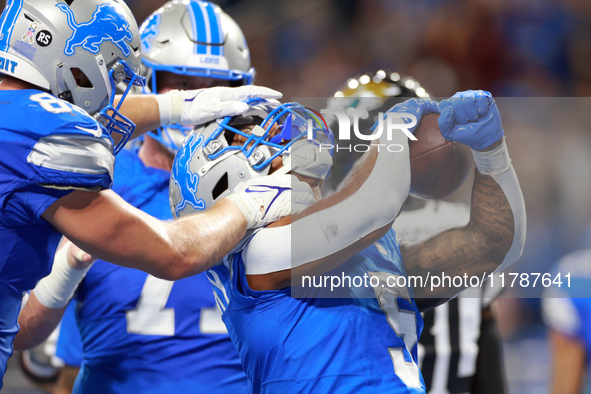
217, 156
54, 45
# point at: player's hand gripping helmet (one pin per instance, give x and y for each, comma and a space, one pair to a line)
216, 157
194, 38
78, 50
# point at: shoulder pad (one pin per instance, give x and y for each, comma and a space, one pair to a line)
83, 154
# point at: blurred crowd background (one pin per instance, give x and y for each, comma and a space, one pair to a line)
534, 56
510, 47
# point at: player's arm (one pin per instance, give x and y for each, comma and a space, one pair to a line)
274, 243
107, 227
495, 234
332, 230
36, 323
190, 107
47, 302
476, 248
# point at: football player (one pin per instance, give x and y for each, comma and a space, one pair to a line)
566, 309
293, 331
60, 64
141, 333
460, 349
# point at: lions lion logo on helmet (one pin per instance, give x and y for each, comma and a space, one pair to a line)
106, 25
184, 178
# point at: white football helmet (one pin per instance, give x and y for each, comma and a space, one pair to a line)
194, 38
217, 156
55, 44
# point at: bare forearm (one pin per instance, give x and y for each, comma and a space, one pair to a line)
474, 249
177, 249
491, 218
36, 323
105, 226
215, 234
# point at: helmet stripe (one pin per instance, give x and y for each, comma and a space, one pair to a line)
214, 28
206, 27
198, 22
9, 17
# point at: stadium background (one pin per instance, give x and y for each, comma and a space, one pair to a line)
513, 48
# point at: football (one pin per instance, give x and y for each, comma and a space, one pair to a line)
438, 167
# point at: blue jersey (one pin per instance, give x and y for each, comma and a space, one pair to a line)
363, 343
47, 149
69, 344
144, 334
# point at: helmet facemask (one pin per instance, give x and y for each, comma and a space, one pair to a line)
218, 156
291, 131
110, 116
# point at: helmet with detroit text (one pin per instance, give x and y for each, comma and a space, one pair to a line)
269, 138
193, 38
77, 50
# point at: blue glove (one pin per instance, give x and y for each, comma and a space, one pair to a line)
471, 118
416, 107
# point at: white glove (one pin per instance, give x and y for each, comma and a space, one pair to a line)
70, 266
194, 107
267, 199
